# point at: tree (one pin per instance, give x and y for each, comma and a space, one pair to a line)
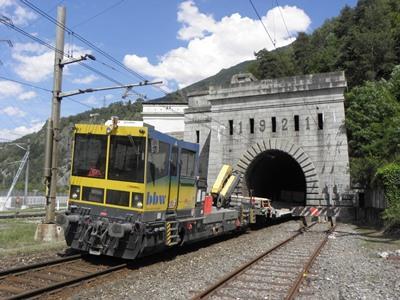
278, 63
373, 126
302, 50
363, 41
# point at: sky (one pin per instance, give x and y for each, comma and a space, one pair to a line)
176, 42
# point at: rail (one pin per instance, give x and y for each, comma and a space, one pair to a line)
273, 277
40, 278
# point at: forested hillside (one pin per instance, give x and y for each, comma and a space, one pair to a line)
364, 41
10, 153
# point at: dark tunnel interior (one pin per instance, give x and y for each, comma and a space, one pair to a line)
276, 175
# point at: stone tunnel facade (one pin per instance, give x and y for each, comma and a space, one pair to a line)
285, 136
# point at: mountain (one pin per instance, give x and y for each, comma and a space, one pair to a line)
128, 111
10, 153
364, 41
223, 77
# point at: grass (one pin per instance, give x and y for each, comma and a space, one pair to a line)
17, 237
27, 210
13, 211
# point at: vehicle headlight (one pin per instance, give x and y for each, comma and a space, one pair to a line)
137, 200
75, 192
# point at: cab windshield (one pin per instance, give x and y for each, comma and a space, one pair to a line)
90, 155
127, 157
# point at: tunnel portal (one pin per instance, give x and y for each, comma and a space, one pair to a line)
276, 175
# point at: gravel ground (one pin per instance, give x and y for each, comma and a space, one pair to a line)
187, 274
349, 267
12, 261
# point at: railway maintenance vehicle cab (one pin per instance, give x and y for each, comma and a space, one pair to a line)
134, 191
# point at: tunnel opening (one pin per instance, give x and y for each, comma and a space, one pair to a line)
276, 175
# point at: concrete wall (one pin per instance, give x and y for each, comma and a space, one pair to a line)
322, 153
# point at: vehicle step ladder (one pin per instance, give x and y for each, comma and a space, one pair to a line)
170, 215
171, 233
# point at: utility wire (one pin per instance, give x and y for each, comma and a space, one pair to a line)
24, 83
48, 11
87, 42
265, 28
40, 41
79, 102
51, 19
98, 14
100, 73
23, 32
283, 19
55, 49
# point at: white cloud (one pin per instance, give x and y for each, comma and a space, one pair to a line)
13, 111
35, 62
9, 89
85, 80
109, 96
91, 100
12, 90
18, 14
216, 44
27, 95
195, 24
12, 134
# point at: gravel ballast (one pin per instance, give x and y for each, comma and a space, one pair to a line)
13, 261
348, 268
188, 274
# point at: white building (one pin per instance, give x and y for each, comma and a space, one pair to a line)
166, 117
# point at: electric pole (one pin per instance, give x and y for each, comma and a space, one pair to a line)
47, 231
54, 137
27, 175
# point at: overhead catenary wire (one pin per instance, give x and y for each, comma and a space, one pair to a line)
40, 41
72, 33
99, 13
79, 102
283, 18
26, 84
48, 11
15, 104
265, 28
106, 76
67, 55
87, 42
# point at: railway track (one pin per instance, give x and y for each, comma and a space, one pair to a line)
41, 278
275, 274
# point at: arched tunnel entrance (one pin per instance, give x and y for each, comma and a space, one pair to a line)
276, 175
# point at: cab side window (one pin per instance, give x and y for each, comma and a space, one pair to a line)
158, 158
188, 163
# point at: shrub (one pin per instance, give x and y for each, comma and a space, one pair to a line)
389, 177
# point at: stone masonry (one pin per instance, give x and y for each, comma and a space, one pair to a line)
234, 124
